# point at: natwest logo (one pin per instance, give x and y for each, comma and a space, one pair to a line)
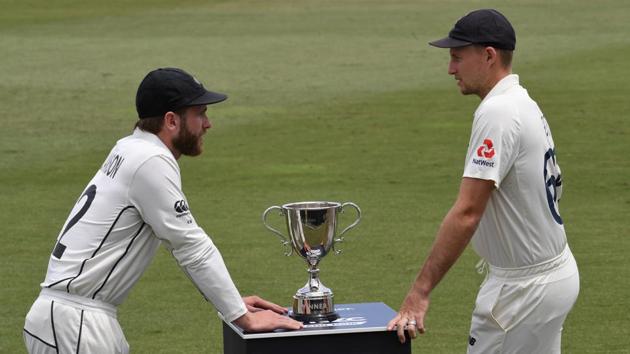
486, 150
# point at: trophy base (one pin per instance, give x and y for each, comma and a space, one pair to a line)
319, 308
329, 317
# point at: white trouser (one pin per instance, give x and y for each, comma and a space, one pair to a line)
522, 310
59, 322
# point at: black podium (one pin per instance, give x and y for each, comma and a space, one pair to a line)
360, 329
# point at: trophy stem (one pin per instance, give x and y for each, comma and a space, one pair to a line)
313, 281
314, 302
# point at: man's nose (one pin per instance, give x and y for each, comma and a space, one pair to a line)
451, 69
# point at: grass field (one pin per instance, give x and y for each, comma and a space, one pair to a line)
329, 100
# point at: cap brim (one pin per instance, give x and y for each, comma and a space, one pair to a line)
448, 42
208, 98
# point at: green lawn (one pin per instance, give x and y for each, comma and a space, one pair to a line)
329, 100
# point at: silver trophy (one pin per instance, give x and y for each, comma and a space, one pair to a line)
312, 228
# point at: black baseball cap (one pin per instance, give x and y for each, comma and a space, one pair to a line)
486, 27
169, 89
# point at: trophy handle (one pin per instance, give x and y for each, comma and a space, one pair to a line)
340, 237
285, 241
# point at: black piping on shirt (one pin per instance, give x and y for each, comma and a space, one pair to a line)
119, 259
99, 246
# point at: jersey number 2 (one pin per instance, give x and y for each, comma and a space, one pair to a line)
90, 193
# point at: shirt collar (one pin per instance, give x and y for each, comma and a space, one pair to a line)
503, 85
152, 138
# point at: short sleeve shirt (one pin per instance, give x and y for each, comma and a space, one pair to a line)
511, 145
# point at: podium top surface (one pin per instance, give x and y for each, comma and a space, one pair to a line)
353, 318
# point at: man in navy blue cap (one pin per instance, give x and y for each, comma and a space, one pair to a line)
133, 204
507, 205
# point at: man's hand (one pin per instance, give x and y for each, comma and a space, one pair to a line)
265, 321
264, 316
255, 304
410, 316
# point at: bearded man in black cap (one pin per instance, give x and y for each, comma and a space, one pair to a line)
133, 204
507, 205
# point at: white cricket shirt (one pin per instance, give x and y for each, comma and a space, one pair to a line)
511, 144
134, 203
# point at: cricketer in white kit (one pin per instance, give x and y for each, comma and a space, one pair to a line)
533, 280
133, 204
507, 206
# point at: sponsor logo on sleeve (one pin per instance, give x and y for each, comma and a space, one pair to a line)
182, 210
181, 206
485, 154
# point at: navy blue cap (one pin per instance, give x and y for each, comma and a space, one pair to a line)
169, 89
485, 27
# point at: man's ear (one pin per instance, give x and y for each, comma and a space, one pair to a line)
171, 121
490, 55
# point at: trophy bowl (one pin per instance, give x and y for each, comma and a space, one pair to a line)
312, 234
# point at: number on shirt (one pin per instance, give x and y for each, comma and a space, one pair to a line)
90, 193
